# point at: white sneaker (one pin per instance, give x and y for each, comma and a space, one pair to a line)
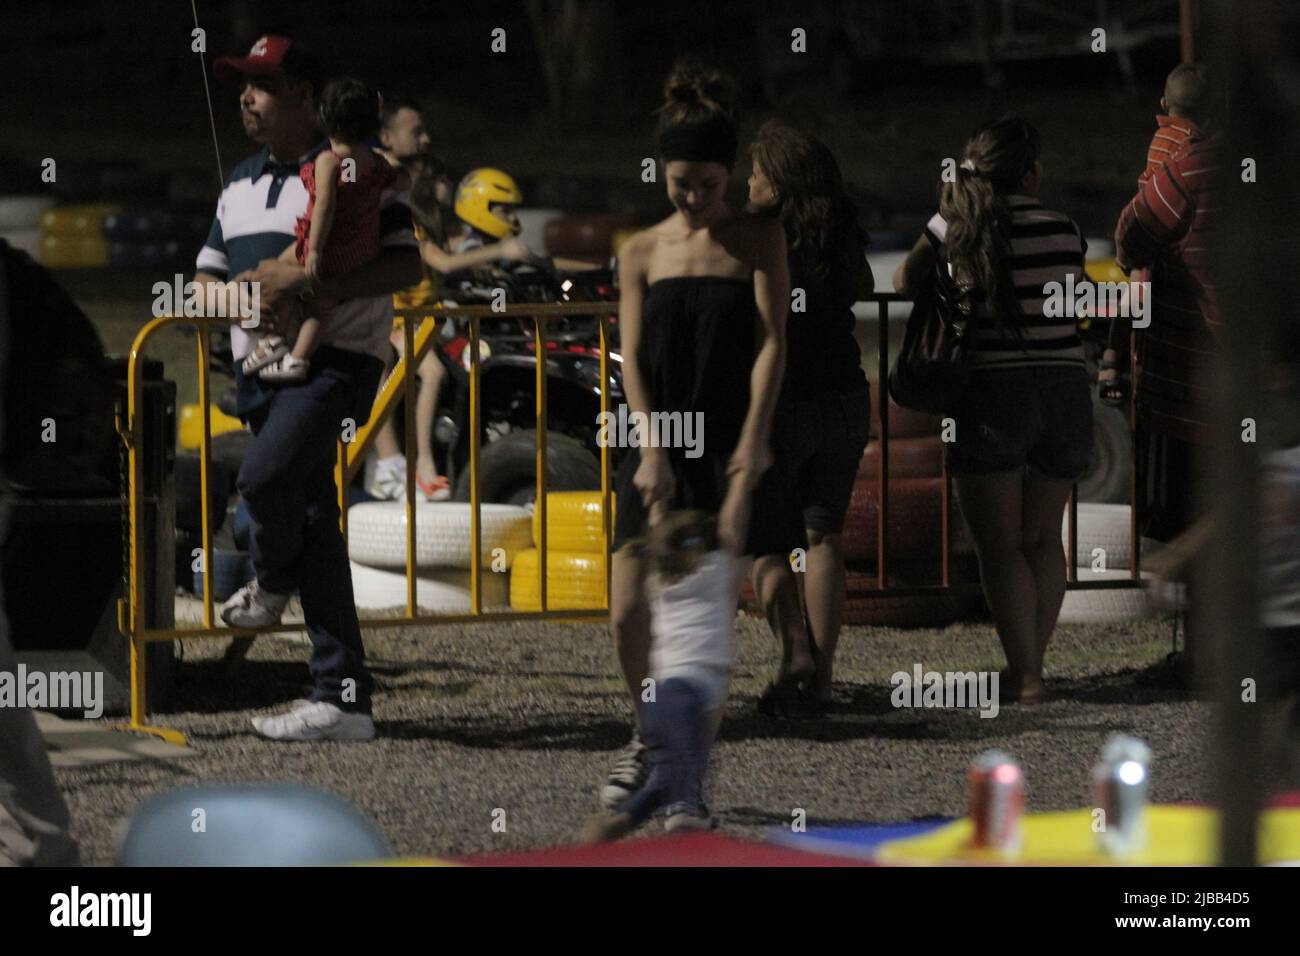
387, 482
251, 607
316, 721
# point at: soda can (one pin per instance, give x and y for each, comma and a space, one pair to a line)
1121, 781
996, 793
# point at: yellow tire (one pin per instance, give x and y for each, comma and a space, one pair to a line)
190, 434
573, 522
79, 220
73, 251
574, 582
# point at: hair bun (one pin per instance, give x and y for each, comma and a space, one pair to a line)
692, 85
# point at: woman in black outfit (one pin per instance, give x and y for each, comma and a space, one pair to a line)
702, 305
823, 418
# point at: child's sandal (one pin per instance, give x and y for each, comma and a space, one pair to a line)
268, 350
1115, 392
289, 368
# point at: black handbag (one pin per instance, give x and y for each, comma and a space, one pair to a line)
934, 364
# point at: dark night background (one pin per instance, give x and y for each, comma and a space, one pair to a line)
892, 85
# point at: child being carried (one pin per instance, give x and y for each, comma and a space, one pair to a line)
340, 231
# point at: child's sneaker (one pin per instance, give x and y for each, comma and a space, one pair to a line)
251, 607
689, 818
604, 827
628, 775
289, 368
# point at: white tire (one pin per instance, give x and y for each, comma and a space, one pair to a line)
27, 240
436, 592
22, 212
1100, 526
1108, 606
377, 534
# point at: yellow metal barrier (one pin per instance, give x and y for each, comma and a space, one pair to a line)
351, 455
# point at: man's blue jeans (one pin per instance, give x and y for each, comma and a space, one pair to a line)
287, 481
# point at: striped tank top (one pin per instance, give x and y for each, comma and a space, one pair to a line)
1046, 246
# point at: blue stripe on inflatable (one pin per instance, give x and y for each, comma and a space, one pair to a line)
859, 841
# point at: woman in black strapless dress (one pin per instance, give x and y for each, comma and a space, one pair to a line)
703, 297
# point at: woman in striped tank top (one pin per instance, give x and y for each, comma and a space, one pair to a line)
1024, 426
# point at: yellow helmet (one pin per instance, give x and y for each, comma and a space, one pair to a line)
478, 191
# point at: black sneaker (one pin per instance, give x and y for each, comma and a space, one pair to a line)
628, 775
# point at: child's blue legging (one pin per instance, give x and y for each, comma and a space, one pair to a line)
674, 729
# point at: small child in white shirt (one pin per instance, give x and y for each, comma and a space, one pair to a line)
693, 590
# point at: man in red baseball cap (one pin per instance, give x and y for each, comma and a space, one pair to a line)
286, 479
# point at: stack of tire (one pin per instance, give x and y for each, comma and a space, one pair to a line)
588, 237
72, 237
149, 238
1103, 552
443, 554
20, 221
915, 529
575, 555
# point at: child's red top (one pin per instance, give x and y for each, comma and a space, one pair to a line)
354, 237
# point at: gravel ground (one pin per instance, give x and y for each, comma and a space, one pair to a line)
525, 717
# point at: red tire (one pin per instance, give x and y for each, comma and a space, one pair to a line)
908, 458
938, 609
903, 422
915, 520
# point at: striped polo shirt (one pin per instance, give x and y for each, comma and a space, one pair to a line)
1046, 246
1171, 220
256, 216
1172, 134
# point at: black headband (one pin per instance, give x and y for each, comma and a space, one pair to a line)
711, 141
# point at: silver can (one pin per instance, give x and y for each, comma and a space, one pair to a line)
1121, 781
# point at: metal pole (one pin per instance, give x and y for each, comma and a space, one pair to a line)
1186, 30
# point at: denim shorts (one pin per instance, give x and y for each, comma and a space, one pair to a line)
1038, 417
817, 443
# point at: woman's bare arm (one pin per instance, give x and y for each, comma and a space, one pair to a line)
910, 274
772, 295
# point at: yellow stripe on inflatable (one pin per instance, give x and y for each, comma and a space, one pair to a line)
1177, 836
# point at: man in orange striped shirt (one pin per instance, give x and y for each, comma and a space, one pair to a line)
1166, 228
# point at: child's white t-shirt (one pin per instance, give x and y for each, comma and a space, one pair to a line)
693, 626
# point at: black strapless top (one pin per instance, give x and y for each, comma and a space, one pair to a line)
697, 347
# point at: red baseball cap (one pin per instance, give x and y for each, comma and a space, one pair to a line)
270, 54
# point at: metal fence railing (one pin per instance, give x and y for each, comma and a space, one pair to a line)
419, 329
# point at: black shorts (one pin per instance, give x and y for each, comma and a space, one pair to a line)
818, 443
1038, 417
